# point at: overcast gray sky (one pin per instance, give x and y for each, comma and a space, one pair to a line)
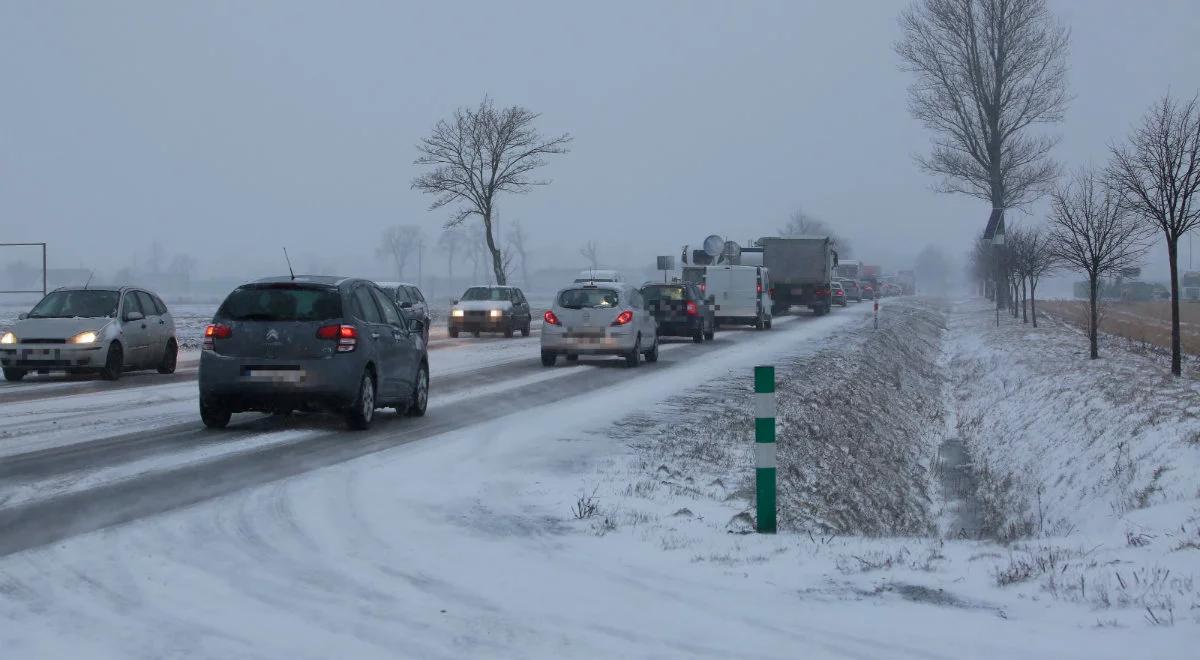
226, 129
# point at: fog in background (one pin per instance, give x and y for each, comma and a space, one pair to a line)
225, 130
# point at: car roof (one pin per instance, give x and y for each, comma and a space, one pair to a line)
394, 284
492, 286
92, 287
611, 286
329, 280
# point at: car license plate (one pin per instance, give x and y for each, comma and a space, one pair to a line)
275, 375
797, 292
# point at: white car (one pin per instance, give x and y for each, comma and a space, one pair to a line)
599, 318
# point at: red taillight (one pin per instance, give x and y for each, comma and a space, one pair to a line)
822, 292
623, 318
550, 318
692, 308
216, 331
703, 287
346, 336
758, 288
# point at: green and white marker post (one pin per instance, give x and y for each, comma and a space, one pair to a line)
764, 446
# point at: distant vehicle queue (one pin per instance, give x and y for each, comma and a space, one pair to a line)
353, 346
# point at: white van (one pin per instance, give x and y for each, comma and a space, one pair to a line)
741, 295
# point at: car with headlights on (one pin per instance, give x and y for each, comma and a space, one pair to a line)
104, 330
490, 309
599, 318
312, 343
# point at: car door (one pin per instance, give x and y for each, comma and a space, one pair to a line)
406, 344
649, 326
522, 305
156, 335
379, 337
135, 335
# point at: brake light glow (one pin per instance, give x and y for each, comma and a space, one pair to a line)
703, 287
550, 318
216, 331
692, 309
345, 335
623, 318
758, 288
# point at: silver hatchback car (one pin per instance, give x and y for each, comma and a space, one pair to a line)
93, 329
599, 318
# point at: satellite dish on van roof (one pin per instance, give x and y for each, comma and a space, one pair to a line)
714, 245
731, 251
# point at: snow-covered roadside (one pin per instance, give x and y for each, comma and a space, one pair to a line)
1094, 466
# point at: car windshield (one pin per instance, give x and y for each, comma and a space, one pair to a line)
281, 303
655, 293
486, 293
76, 304
588, 298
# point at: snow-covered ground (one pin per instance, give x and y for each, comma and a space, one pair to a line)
455, 537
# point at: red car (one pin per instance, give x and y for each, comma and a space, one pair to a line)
837, 294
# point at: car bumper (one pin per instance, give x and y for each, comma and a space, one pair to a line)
40, 357
252, 383
679, 326
612, 342
480, 324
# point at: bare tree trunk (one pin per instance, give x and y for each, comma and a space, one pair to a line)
1033, 301
1093, 331
497, 259
1172, 255
1024, 301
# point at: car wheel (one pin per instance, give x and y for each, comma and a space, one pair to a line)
113, 362
652, 354
760, 323
508, 330
548, 358
634, 356
214, 413
169, 359
711, 333
420, 397
361, 413
698, 335
769, 322
453, 333
525, 329
14, 374
475, 334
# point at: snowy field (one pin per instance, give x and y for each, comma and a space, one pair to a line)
590, 511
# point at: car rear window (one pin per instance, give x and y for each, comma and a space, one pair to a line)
281, 303
655, 293
588, 298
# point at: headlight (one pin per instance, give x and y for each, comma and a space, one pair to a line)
8, 338
456, 312
88, 337
495, 313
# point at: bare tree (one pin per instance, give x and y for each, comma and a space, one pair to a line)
1091, 231
1037, 260
591, 252
979, 266
478, 154
1158, 175
398, 243
452, 241
517, 238
801, 223
987, 72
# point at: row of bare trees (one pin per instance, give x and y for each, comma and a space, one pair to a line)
988, 74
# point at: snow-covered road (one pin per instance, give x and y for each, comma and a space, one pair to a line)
443, 537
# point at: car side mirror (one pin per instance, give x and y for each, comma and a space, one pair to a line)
417, 327
454, 301
22, 316
134, 316
405, 305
